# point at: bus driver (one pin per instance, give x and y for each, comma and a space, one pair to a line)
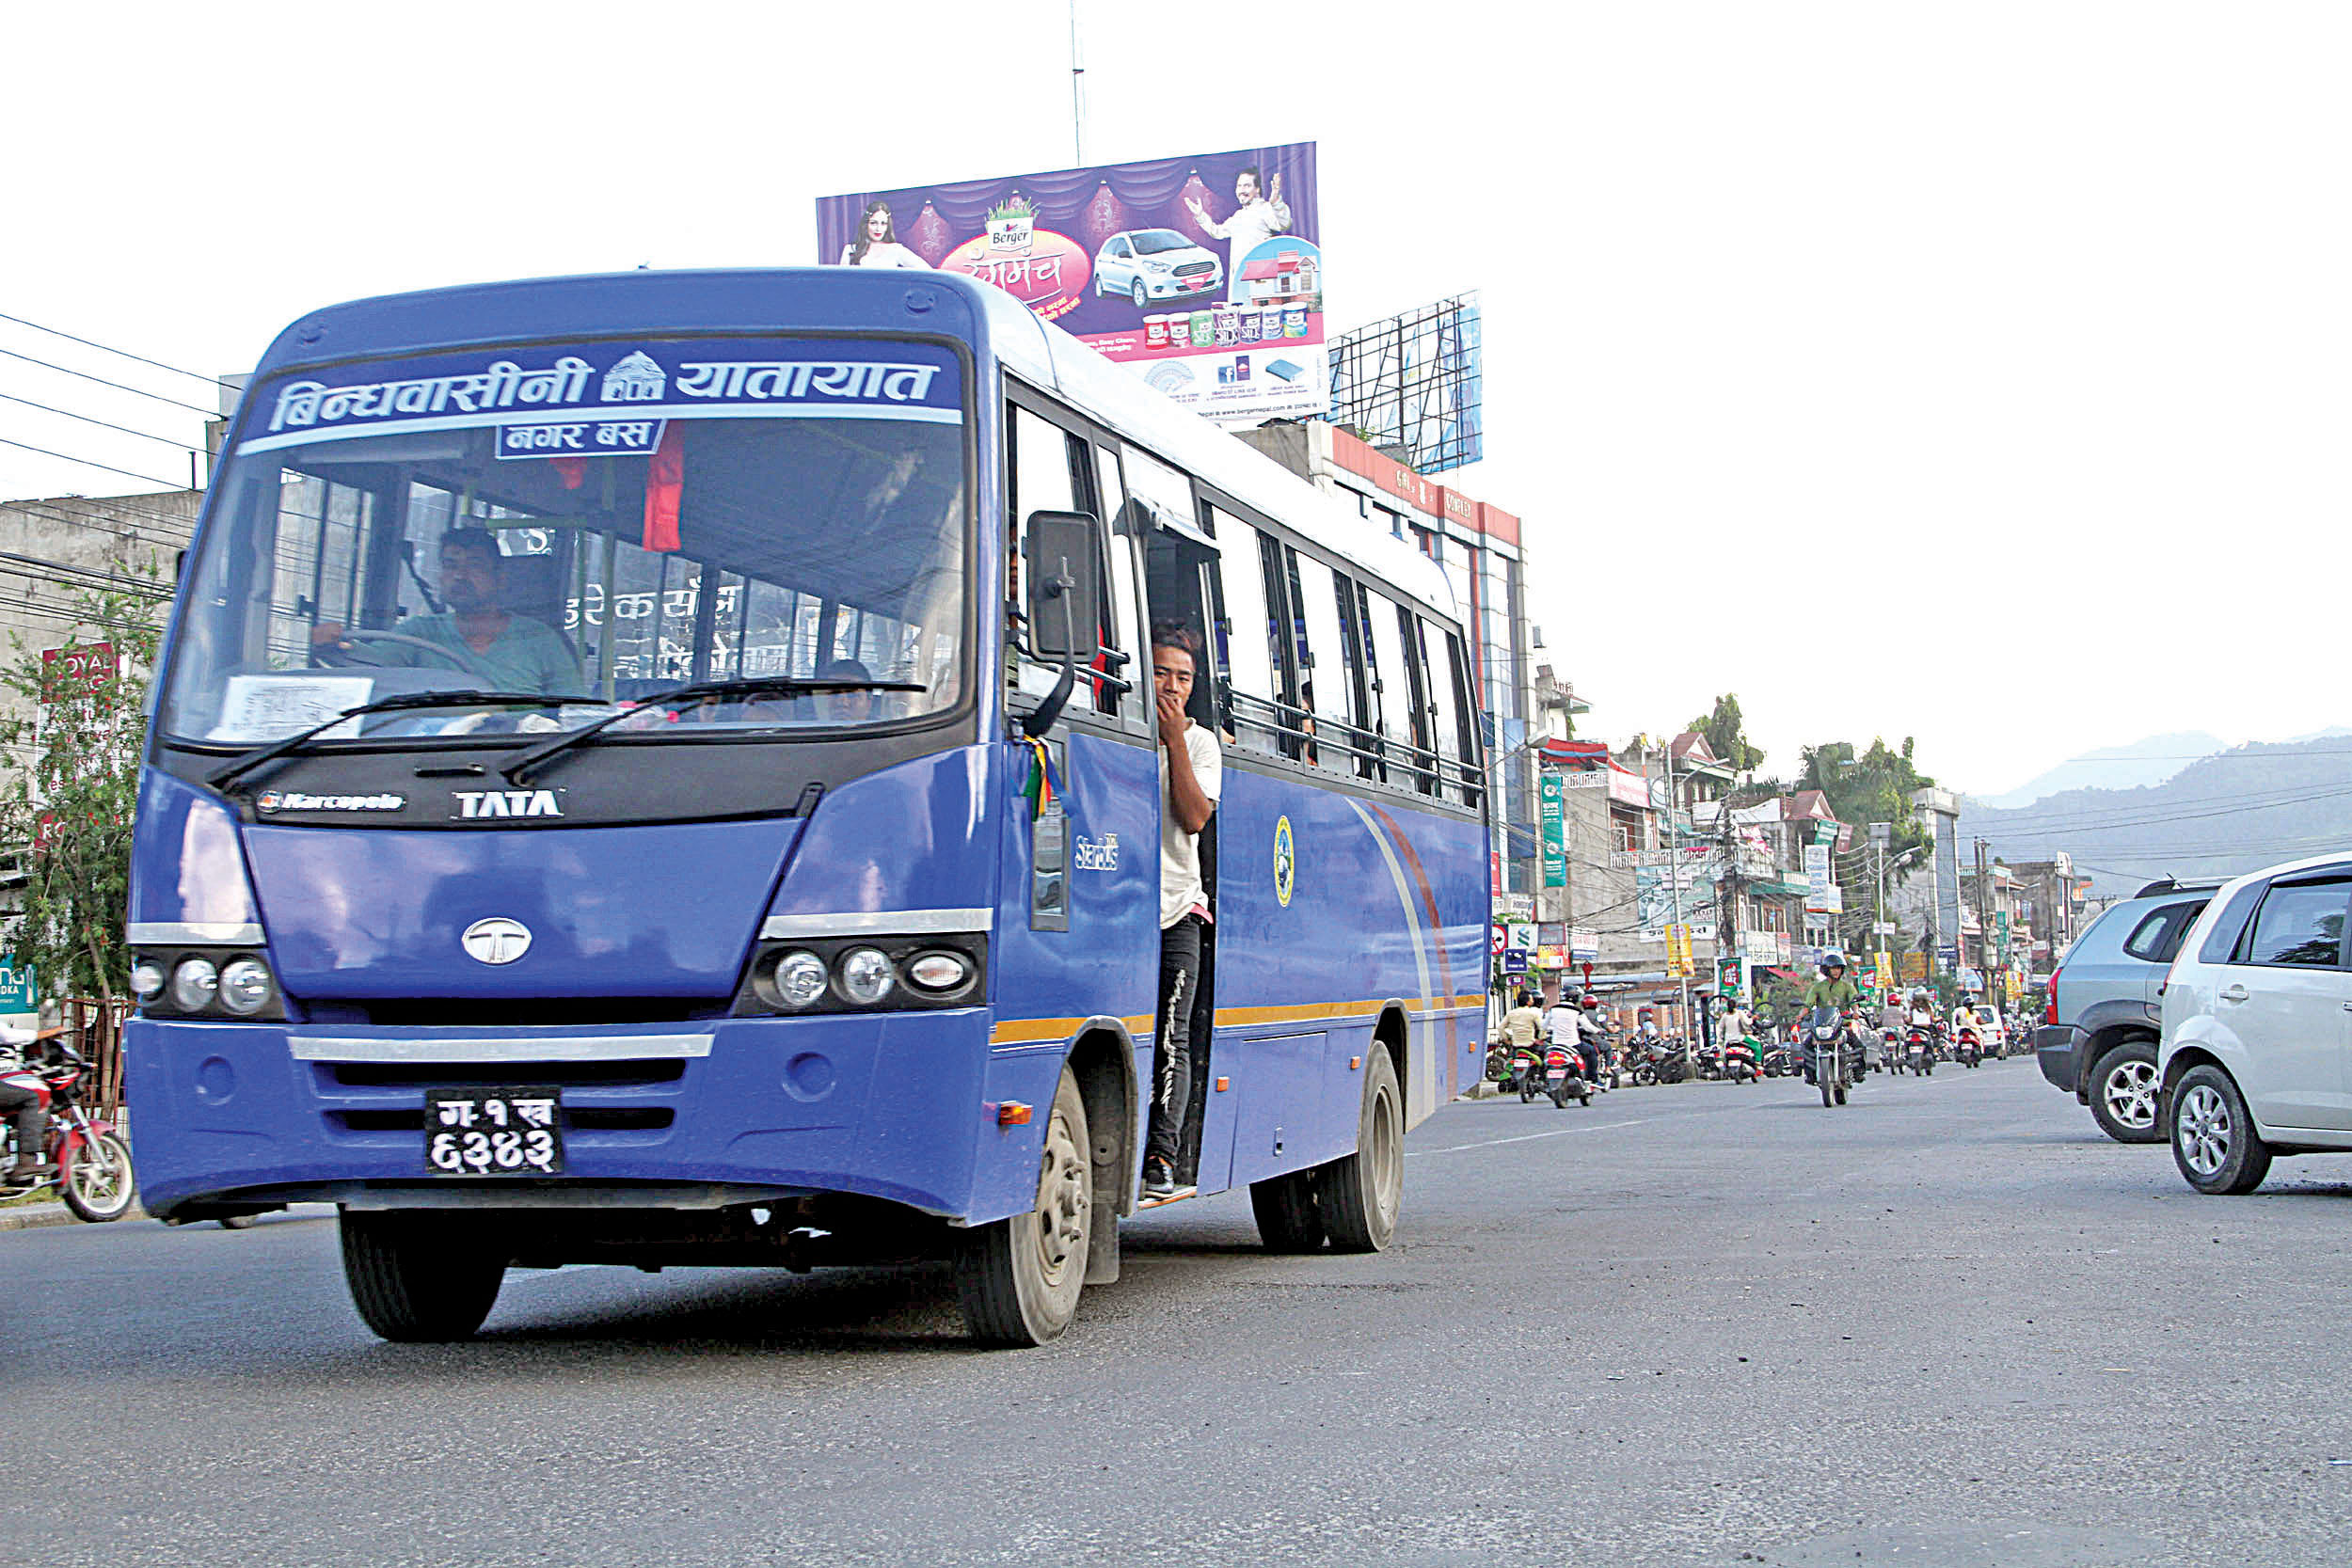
1191, 772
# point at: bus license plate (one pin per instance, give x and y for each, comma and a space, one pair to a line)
493, 1132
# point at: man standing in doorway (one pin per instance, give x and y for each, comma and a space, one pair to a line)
1192, 770
1256, 219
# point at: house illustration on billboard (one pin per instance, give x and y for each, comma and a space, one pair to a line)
1286, 276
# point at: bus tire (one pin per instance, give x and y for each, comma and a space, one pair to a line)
1020, 1278
1289, 1212
1362, 1192
415, 1279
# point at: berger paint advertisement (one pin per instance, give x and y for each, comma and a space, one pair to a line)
1202, 274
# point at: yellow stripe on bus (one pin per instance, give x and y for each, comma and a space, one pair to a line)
1028, 1031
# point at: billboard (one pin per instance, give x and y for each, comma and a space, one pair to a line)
1203, 274
1412, 386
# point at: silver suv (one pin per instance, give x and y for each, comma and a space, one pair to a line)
2098, 1039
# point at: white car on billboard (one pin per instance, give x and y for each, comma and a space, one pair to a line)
1146, 264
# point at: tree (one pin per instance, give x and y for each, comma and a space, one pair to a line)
1727, 737
1875, 787
68, 814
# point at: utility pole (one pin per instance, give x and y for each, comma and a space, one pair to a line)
1078, 91
1674, 881
1984, 905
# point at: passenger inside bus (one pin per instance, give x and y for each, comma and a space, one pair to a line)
1191, 776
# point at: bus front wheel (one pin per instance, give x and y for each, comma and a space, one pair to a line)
1362, 1192
1019, 1278
416, 1278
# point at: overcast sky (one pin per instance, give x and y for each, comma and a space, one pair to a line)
1972, 372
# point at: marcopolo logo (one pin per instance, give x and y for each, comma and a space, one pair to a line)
472, 803
294, 800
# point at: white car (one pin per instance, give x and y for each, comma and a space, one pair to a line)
2256, 1059
1146, 264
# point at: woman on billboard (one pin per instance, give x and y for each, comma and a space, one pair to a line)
876, 244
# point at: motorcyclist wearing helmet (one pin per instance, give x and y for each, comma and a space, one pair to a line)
1593, 1042
1826, 998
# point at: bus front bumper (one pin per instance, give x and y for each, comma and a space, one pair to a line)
899, 1106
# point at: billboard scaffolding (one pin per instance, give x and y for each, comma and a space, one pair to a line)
1410, 385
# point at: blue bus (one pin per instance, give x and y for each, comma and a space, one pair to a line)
658, 769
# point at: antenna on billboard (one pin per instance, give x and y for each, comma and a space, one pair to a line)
1077, 90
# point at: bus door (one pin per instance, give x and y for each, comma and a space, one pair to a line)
1180, 566
1079, 936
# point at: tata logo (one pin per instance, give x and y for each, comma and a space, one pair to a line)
495, 941
475, 803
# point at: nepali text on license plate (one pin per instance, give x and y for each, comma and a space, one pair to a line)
493, 1132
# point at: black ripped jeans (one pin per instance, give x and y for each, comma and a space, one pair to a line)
1171, 1040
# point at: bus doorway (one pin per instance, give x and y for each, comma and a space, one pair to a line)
1178, 560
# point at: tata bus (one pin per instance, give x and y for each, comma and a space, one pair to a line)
660, 770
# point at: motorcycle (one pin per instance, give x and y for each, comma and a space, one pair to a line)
1967, 1052
1919, 1052
1563, 1077
93, 1163
1671, 1061
1527, 1073
1891, 1047
1777, 1062
1739, 1062
1836, 1056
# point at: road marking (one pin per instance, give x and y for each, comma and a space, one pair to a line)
1529, 1137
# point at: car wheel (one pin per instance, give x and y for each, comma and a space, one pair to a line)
2123, 1093
2213, 1141
1137, 294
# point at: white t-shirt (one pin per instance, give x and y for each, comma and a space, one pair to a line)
1560, 1025
1179, 851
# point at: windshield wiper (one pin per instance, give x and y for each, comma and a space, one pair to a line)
239, 766
521, 768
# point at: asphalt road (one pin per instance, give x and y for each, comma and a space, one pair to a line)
1703, 1324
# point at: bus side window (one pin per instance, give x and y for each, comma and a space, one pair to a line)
1040, 469
1365, 753
1248, 662
1388, 682
1118, 596
1323, 676
1423, 705
1283, 640
1442, 661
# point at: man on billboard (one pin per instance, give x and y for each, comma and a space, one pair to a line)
1257, 219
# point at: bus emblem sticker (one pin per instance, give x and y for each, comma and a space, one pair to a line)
495, 941
1285, 862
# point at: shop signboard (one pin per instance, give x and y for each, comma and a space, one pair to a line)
18, 994
1520, 933
1551, 958
1203, 274
1914, 966
1547, 812
1515, 960
1583, 944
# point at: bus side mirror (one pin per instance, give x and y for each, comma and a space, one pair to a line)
1064, 569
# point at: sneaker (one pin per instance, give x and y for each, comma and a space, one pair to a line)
1159, 1180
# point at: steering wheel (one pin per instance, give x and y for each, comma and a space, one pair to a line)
466, 658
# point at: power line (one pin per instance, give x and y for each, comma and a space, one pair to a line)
125, 354
86, 462
68, 413
2062, 822
67, 370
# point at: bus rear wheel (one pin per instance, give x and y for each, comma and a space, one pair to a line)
418, 1278
1362, 1192
1019, 1278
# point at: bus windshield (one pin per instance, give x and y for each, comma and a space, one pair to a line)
589, 525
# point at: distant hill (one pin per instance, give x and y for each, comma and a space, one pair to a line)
2143, 762
2233, 812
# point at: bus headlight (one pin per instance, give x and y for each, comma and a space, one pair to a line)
147, 979
194, 983
864, 975
245, 986
800, 978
